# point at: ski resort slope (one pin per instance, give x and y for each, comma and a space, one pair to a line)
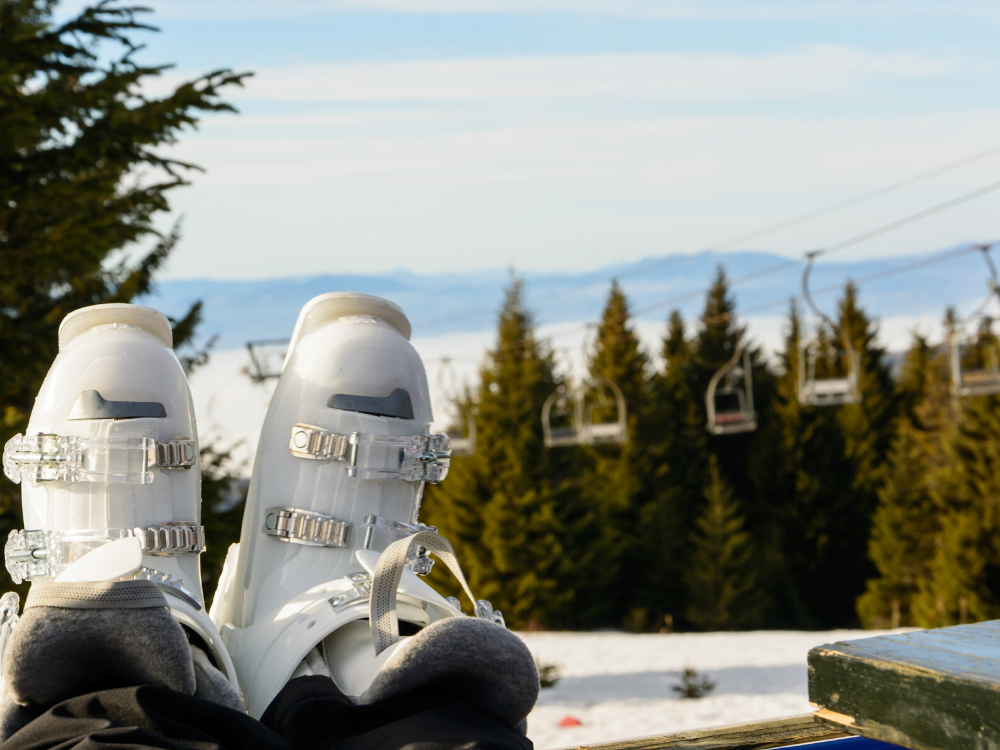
619, 685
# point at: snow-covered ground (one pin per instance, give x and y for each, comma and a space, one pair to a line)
620, 685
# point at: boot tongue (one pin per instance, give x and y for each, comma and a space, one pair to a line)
106, 563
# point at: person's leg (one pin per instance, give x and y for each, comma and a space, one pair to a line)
313, 715
105, 664
146, 716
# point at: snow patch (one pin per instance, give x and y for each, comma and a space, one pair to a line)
620, 686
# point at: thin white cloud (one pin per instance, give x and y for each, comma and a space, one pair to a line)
807, 74
865, 10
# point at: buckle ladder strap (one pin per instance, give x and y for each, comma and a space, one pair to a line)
171, 538
388, 574
305, 527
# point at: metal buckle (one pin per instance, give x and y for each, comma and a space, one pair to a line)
47, 458
305, 527
412, 458
485, 611
170, 539
362, 589
312, 442
37, 552
166, 583
417, 558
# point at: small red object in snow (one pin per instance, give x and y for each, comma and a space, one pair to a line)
570, 721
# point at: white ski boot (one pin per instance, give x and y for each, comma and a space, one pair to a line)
109, 466
341, 465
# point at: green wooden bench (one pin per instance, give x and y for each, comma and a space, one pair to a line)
926, 690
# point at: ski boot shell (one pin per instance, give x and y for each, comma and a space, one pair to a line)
111, 452
339, 474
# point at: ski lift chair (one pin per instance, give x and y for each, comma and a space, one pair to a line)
826, 391
267, 357
463, 444
569, 416
597, 431
983, 380
730, 407
562, 418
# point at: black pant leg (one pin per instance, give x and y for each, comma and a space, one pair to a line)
143, 717
313, 715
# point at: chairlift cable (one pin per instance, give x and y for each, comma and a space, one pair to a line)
774, 268
780, 226
935, 259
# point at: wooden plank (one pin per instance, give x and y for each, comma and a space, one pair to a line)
929, 690
796, 730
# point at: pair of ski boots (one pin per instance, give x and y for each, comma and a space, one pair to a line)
326, 577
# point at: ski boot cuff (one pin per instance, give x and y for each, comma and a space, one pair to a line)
77, 638
470, 657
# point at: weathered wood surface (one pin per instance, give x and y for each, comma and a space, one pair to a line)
797, 730
927, 690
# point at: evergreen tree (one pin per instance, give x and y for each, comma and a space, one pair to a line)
80, 179
964, 573
720, 577
617, 477
867, 426
678, 454
806, 483
903, 534
868, 430
518, 526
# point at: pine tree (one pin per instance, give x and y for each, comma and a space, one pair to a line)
803, 486
678, 455
617, 477
720, 577
517, 524
964, 573
867, 426
76, 133
903, 533
867, 429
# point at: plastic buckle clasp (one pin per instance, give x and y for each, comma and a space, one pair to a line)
417, 458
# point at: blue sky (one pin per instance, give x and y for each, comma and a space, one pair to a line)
438, 135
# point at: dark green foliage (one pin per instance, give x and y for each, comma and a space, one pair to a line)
903, 531
964, 573
721, 581
222, 501
548, 673
80, 180
693, 685
518, 523
677, 451
617, 479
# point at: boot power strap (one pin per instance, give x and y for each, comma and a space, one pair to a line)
413, 458
73, 458
388, 574
32, 553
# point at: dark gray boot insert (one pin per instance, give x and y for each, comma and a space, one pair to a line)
76, 638
479, 660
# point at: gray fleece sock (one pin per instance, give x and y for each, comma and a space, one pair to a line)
78, 638
478, 659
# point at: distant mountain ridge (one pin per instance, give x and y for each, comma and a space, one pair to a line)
241, 310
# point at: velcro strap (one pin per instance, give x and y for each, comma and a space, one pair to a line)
102, 595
